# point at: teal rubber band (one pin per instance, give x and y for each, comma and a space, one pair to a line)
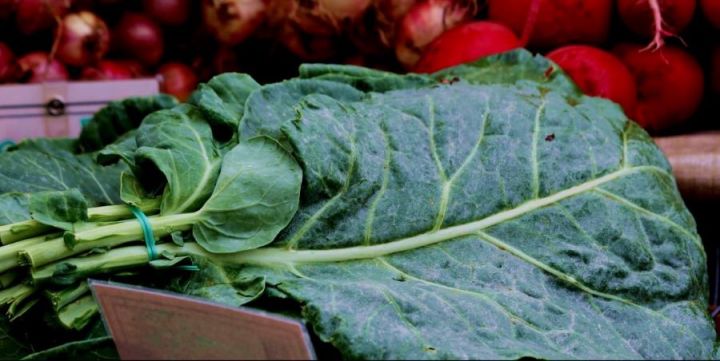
147, 231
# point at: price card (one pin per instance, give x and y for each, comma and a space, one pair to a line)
150, 324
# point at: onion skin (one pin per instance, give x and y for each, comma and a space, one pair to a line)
140, 38
108, 70
83, 39
8, 64
34, 68
426, 21
232, 21
168, 12
37, 15
177, 79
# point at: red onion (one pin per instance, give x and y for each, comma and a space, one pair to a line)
308, 47
168, 12
8, 65
108, 70
424, 22
140, 38
83, 39
177, 79
232, 21
38, 15
34, 68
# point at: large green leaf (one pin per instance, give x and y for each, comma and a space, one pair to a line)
179, 144
48, 165
492, 221
119, 117
255, 197
14, 207
222, 101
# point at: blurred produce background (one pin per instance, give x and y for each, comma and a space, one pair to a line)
658, 58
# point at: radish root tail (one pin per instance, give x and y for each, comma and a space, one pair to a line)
660, 28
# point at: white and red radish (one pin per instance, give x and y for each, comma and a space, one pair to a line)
656, 19
33, 16
138, 37
82, 39
466, 43
669, 84
168, 12
177, 79
108, 70
232, 21
598, 73
8, 64
35, 67
424, 22
547, 24
711, 10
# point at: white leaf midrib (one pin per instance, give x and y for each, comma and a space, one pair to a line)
284, 256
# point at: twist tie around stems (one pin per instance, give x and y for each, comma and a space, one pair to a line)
147, 232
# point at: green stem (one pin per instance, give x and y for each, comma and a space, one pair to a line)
62, 298
79, 313
102, 237
8, 278
14, 232
14, 296
9, 253
114, 260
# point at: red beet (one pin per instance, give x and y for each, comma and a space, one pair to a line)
38, 15
168, 12
177, 79
139, 37
466, 43
108, 70
83, 38
424, 22
8, 64
669, 84
656, 18
232, 21
711, 9
598, 73
34, 68
551, 23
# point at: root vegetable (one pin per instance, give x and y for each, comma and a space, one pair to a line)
35, 68
669, 83
168, 12
232, 21
548, 24
466, 43
598, 73
177, 79
424, 22
656, 18
139, 37
83, 39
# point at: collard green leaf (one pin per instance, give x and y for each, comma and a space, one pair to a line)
446, 222
179, 144
256, 196
39, 166
269, 107
364, 79
511, 67
59, 209
119, 117
14, 207
222, 101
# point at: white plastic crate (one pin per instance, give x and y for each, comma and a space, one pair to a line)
58, 109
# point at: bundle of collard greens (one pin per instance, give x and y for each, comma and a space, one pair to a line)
486, 211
